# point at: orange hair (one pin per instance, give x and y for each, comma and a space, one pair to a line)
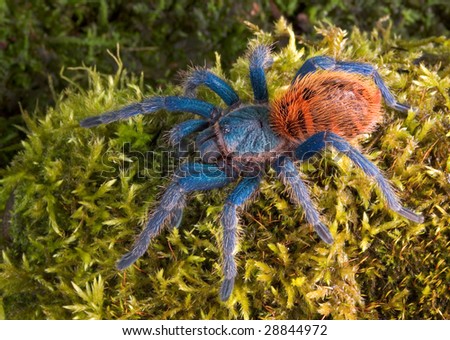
347, 104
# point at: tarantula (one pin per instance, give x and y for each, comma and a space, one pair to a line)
329, 102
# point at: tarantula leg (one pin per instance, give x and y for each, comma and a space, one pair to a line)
320, 140
370, 71
184, 129
327, 63
312, 64
153, 104
260, 59
243, 191
176, 217
289, 174
190, 177
204, 77
388, 96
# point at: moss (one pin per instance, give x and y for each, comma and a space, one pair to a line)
74, 201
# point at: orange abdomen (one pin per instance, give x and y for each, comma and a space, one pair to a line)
345, 103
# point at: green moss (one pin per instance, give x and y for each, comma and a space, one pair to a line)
74, 203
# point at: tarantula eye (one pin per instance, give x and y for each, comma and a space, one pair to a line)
226, 129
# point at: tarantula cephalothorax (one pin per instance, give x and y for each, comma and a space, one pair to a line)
328, 103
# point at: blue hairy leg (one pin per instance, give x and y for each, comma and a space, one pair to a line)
184, 129
243, 191
153, 104
320, 140
190, 177
260, 59
204, 77
286, 169
330, 64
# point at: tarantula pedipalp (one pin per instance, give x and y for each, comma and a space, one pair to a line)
328, 103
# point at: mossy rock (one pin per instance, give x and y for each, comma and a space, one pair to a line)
74, 199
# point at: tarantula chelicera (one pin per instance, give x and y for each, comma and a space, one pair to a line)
328, 103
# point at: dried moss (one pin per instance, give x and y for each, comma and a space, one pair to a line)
74, 203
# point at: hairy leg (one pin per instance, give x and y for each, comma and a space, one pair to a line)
327, 63
204, 77
191, 177
260, 59
320, 140
184, 129
153, 104
290, 176
243, 191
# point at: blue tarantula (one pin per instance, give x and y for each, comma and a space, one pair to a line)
328, 103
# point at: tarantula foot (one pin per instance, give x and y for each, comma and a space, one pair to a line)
226, 289
323, 232
410, 215
91, 122
127, 260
